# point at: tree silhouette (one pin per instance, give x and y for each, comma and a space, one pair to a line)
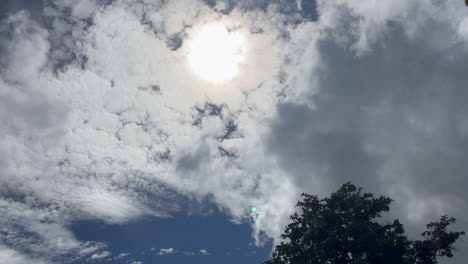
342, 229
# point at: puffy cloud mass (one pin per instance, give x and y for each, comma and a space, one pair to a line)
102, 118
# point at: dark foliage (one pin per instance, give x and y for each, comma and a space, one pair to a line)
342, 229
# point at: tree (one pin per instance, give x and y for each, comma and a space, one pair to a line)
342, 229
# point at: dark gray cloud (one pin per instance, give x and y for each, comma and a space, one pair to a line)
12, 6
312, 143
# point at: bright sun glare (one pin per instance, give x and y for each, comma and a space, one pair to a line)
215, 53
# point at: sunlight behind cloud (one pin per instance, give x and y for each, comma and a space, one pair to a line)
215, 53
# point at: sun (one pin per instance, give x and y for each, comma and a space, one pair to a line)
215, 53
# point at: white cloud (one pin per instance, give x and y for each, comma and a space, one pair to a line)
101, 255
166, 251
463, 29
299, 4
10, 256
121, 255
108, 205
204, 252
99, 135
171, 251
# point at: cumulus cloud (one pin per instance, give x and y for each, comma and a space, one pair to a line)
103, 119
166, 251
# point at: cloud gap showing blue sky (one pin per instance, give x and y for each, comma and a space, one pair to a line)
197, 238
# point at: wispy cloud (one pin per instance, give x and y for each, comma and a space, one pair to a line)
121, 255
171, 251
103, 254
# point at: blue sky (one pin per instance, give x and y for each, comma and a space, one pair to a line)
186, 234
143, 132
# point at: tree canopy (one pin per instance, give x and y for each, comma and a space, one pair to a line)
343, 229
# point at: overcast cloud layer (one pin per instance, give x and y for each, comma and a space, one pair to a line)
102, 118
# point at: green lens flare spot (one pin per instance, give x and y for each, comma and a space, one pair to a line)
254, 209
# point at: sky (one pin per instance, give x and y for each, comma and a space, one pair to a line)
121, 144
